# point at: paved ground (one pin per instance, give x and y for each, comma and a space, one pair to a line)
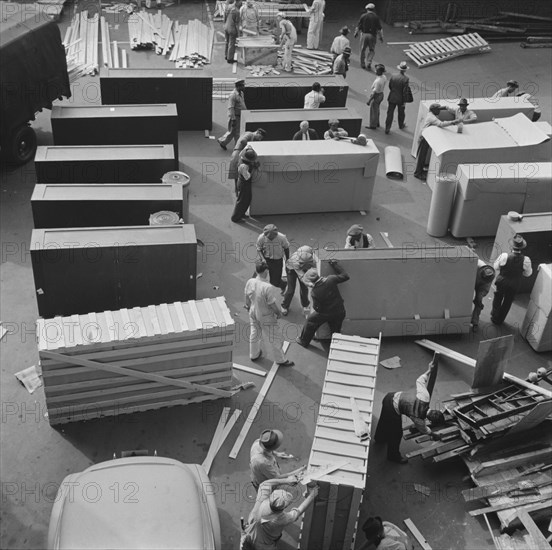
36, 457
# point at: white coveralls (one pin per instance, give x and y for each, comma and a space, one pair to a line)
315, 24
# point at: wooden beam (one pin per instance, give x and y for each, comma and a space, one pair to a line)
538, 538
213, 448
330, 517
512, 461
250, 370
417, 535
514, 503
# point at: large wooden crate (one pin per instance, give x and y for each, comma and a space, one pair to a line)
185, 341
331, 522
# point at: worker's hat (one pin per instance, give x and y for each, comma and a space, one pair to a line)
518, 242
463, 101
513, 83
280, 500
355, 230
271, 439
487, 273
370, 6
270, 228
261, 131
239, 81
248, 155
347, 50
402, 66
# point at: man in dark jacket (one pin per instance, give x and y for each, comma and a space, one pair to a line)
369, 26
326, 301
397, 88
305, 133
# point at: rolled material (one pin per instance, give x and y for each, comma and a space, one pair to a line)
176, 177
440, 208
164, 217
393, 162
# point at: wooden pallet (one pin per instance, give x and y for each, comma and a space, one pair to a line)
351, 372
119, 362
432, 52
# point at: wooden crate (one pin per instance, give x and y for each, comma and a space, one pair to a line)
184, 341
352, 366
256, 54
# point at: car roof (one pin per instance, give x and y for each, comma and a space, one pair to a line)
138, 502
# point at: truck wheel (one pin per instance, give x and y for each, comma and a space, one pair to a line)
23, 145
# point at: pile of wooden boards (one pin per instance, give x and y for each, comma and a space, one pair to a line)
313, 62
190, 45
431, 52
81, 45
267, 10
110, 52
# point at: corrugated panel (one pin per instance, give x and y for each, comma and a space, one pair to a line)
155, 321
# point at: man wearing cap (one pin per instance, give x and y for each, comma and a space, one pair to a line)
356, 238
483, 279
298, 264
509, 91
261, 302
258, 135
268, 518
335, 132
397, 89
510, 268
248, 169
369, 26
327, 302
340, 42
423, 146
288, 38
262, 459
341, 63
315, 23
462, 113
305, 133
232, 23
315, 97
236, 104
272, 247
413, 403
376, 96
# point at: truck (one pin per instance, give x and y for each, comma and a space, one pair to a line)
33, 73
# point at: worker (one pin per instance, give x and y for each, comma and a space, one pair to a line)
268, 519
315, 23
250, 19
248, 169
340, 42
356, 238
305, 133
412, 403
327, 302
335, 132
341, 63
258, 135
376, 96
509, 91
528, 98
272, 247
232, 22
236, 104
315, 97
298, 264
397, 90
261, 302
483, 280
462, 114
369, 26
288, 38
510, 268
384, 535
423, 146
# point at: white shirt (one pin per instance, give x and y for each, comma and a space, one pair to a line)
465, 117
313, 100
422, 394
339, 44
379, 84
306, 137
288, 29
527, 267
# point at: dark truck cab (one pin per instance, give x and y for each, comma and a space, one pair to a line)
33, 73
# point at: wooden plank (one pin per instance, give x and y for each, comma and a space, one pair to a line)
330, 517
492, 359
214, 447
539, 539
181, 316
336, 434
167, 319
353, 518
417, 535
349, 380
537, 415
345, 450
513, 503
224, 310
331, 388
514, 460
250, 370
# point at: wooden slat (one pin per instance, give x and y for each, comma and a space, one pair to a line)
333, 434
195, 314
417, 535
213, 448
355, 450
250, 370
163, 310
330, 518
181, 316
353, 518
349, 380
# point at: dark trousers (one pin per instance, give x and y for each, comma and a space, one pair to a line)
316, 320
230, 46
233, 132
243, 201
389, 429
375, 109
477, 307
421, 156
502, 301
292, 280
275, 271
391, 114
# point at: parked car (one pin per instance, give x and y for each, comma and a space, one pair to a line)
137, 502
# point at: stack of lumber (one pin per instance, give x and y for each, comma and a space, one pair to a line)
146, 30
81, 45
267, 10
311, 61
431, 52
130, 360
193, 44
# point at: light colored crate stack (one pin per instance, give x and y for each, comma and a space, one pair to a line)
190, 342
81, 45
351, 372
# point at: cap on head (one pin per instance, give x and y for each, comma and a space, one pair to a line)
304, 125
347, 50
260, 131
370, 6
271, 439
344, 31
463, 101
512, 83
239, 81
248, 155
402, 66
355, 230
372, 528
487, 273
518, 242
279, 500
435, 417
270, 228
311, 276
333, 122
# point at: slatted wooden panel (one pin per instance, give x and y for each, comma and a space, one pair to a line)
190, 341
351, 372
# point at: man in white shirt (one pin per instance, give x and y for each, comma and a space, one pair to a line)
250, 20
510, 268
335, 132
340, 42
272, 247
383, 535
462, 113
288, 38
315, 23
305, 133
509, 91
376, 96
315, 97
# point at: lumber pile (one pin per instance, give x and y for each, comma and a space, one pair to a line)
267, 10
81, 45
312, 62
431, 52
